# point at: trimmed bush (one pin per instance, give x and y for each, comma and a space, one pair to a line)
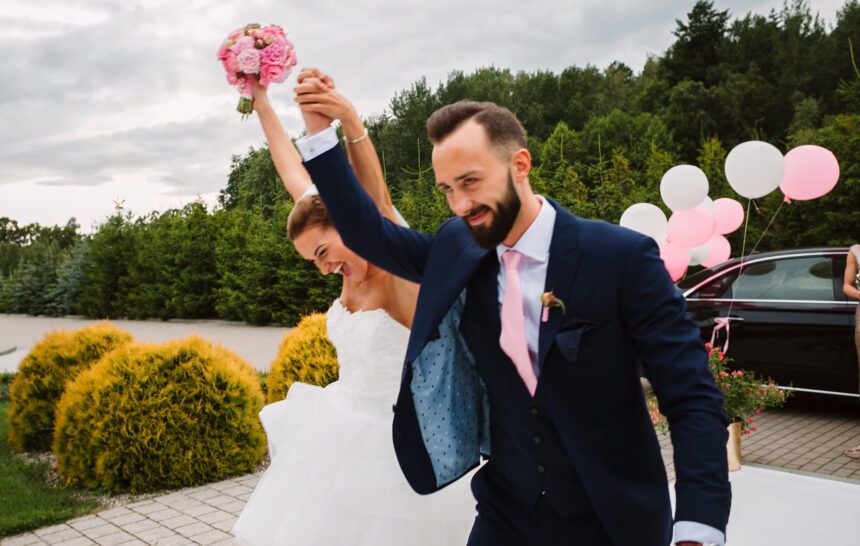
43, 375
150, 416
306, 355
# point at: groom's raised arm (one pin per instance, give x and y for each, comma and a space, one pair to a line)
399, 250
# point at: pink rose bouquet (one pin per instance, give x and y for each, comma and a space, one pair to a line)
256, 51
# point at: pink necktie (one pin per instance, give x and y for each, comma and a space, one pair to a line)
513, 338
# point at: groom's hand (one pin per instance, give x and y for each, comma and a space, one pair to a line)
315, 121
316, 93
307, 73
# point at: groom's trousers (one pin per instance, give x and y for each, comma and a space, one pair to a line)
504, 520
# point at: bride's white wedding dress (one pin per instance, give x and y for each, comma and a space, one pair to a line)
333, 477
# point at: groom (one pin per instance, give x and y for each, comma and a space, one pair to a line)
549, 393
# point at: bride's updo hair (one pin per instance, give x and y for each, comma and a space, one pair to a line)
309, 211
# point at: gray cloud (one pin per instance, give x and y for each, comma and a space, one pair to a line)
135, 86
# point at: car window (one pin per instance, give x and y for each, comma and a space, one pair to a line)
721, 287
808, 278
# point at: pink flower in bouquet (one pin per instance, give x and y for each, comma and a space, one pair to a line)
242, 44
272, 73
222, 51
275, 53
236, 34
232, 79
230, 63
249, 61
269, 35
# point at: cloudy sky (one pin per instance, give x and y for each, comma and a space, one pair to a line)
108, 100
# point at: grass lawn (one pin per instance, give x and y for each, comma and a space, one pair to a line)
26, 501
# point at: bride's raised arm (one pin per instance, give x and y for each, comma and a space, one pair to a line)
287, 160
330, 104
315, 92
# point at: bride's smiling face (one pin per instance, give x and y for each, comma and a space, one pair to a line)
323, 246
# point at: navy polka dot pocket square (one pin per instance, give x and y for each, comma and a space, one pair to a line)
569, 337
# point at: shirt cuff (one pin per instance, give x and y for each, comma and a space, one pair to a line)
315, 145
698, 532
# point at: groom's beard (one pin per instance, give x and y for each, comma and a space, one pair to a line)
489, 236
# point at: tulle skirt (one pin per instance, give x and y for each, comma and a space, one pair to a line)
334, 479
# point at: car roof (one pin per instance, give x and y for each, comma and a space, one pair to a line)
704, 274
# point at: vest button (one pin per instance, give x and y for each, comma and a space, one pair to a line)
543, 493
533, 411
540, 469
537, 440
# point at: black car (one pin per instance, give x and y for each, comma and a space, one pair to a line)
788, 318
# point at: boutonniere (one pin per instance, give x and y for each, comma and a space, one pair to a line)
549, 300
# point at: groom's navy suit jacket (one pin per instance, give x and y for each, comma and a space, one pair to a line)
461, 396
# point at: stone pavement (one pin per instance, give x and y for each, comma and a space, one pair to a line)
803, 438
200, 515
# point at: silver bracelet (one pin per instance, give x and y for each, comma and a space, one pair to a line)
354, 140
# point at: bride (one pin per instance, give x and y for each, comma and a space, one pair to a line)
333, 477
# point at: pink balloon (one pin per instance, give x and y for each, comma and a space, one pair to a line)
675, 259
720, 250
691, 228
810, 172
730, 215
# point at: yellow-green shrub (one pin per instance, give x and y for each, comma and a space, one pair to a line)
306, 355
160, 416
44, 374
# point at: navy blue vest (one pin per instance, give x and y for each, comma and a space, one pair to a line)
527, 450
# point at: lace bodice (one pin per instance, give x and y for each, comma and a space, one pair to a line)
370, 350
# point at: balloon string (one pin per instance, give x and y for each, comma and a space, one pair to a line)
718, 322
781, 203
743, 250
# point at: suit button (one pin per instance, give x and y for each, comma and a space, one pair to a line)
540, 469
537, 440
543, 493
533, 411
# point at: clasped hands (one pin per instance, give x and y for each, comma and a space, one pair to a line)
319, 102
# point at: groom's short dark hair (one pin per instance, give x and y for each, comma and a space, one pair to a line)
503, 128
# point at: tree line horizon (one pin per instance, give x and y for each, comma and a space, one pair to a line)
600, 140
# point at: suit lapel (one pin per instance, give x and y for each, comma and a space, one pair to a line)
560, 275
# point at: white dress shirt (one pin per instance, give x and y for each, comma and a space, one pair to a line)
534, 246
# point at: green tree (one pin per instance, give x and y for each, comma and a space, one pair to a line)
253, 182
697, 54
106, 276
262, 277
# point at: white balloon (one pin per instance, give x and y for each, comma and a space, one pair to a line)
647, 219
699, 254
754, 168
708, 205
683, 187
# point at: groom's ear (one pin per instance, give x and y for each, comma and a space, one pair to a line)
521, 164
